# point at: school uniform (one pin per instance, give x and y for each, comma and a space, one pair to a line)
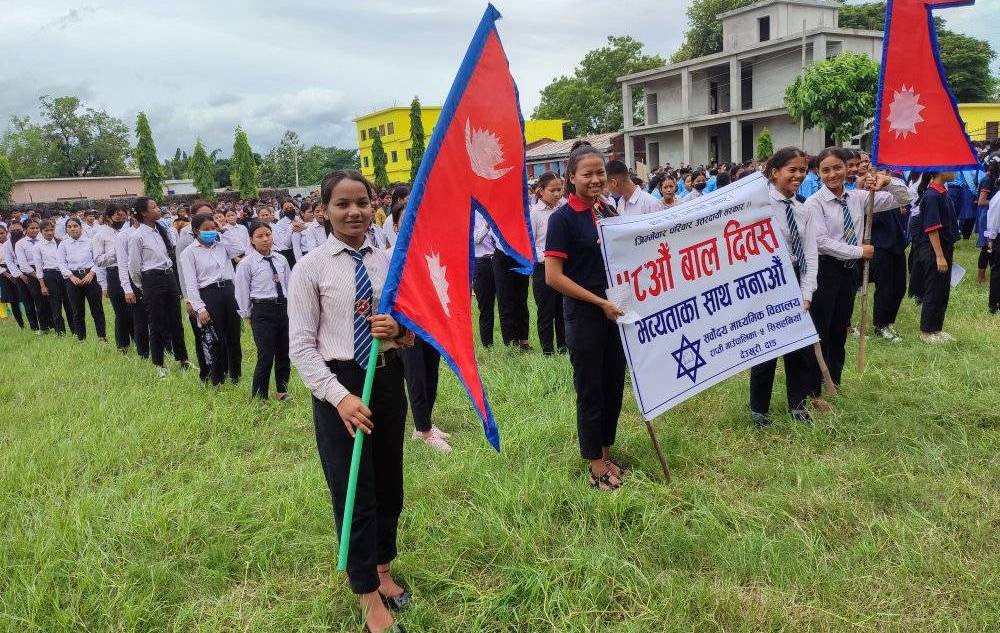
47, 270
208, 284
937, 213
595, 348
839, 232
888, 269
60, 226
281, 236
329, 299
236, 238
106, 259
184, 241
512, 296
137, 311
18, 281
639, 203
991, 233
801, 370
810, 185
692, 195
547, 301
8, 290
303, 242
262, 296
25, 250
76, 259
483, 284
150, 263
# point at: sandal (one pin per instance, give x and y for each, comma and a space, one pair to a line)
603, 482
398, 602
623, 469
395, 628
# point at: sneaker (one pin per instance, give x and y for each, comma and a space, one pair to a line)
892, 328
800, 415
947, 338
436, 431
931, 338
161, 372
760, 419
887, 334
434, 441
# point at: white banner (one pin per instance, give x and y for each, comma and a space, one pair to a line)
708, 289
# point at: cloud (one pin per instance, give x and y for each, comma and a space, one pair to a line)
74, 16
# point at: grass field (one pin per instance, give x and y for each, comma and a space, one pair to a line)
131, 504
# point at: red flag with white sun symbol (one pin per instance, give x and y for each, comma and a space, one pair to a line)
474, 164
917, 125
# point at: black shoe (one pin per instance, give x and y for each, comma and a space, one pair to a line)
398, 603
760, 419
801, 415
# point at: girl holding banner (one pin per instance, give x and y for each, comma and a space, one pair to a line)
786, 170
574, 268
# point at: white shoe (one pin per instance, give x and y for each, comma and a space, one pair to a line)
161, 372
889, 335
434, 441
436, 431
948, 338
931, 339
892, 328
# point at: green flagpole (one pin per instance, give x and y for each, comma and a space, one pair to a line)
352, 482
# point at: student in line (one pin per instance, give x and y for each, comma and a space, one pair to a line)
839, 218
991, 233
668, 192
989, 184
84, 280
131, 291
50, 278
398, 198
786, 170
185, 238
286, 226
207, 270
935, 246
106, 258
632, 200
551, 324
305, 241
332, 323
888, 269
574, 268
150, 262
235, 236
697, 188
20, 279
8, 286
261, 294
512, 298
482, 278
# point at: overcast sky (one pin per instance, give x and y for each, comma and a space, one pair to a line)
200, 68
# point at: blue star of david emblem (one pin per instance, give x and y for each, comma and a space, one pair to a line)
689, 358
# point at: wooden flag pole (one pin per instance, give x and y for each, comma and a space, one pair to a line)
352, 481
863, 329
829, 387
659, 453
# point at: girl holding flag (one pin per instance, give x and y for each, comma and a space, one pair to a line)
332, 322
574, 268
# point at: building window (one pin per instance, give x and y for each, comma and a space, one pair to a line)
395, 156
371, 132
713, 98
653, 155
381, 130
833, 49
365, 159
408, 154
746, 86
992, 130
764, 28
364, 135
391, 127
652, 109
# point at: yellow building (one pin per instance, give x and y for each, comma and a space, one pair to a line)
393, 125
982, 120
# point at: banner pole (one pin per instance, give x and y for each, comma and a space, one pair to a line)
829, 386
659, 453
352, 481
863, 326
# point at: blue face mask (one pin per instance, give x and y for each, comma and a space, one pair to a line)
208, 237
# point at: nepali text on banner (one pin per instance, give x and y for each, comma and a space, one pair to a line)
711, 291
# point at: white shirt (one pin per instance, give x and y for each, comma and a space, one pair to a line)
103, 243
146, 251
201, 265
46, 255
10, 258
255, 279
281, 234
692, 194
993, 218
807, 237
540, 214
79, 255
321, 296
121, 255
828, 216
482, 237
236, 238
639, 203
61, 227
304, 241
24, 251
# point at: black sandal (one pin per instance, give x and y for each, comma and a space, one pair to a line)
623, 469
603, 482
398, 602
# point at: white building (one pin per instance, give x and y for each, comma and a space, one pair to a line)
713, 108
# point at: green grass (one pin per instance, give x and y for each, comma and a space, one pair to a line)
130, 504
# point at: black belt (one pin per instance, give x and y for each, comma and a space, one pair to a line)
158, 271
846, 263
222, 283
269, 301
52, 270
81, 272
384, 358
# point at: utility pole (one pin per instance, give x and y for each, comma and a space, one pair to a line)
802, 74
296, 168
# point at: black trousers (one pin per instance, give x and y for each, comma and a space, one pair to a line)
916, 286
967, 227
140, 324
42, 305
889, 270
122, 310
221, 305
832, 306
512, 299
550, 313
269, 322
162, 298
204, 371
290, 256
937, 287
26, 296
994, 301
595, 351
8, 290
91, 294
420, 367
58, 300
484, 286
379, 498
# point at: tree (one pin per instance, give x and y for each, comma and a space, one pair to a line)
380, 160
416, 138
83, 142
145, 156
704, 34
837, 95
203, 172
765, 146
6, 183
27, 148
318, 161
222, 167
278, 166
243, 168
591, 99
177, 167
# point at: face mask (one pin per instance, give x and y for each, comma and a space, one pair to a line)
699, 186
290, 215
208, 237
117, 225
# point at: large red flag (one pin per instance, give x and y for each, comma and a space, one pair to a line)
916, 118
474, 162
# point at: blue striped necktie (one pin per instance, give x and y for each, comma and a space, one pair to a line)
850, 233
362, 308
796, 237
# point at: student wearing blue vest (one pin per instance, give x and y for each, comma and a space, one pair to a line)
889, 237
935, 244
